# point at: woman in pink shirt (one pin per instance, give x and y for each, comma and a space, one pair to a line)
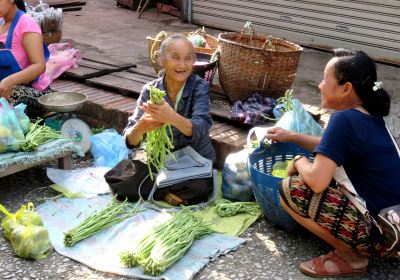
22, 59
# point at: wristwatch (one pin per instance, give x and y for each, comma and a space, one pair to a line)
296, 158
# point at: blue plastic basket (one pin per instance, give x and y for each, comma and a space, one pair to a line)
266, 186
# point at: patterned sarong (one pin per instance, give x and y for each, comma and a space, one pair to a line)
333, 211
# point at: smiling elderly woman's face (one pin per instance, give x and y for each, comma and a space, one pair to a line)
178, 60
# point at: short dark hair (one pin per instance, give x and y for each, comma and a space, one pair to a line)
357, 68
20, 5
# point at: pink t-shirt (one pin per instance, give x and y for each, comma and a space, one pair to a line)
24, 25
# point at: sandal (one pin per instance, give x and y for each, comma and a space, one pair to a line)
344, 268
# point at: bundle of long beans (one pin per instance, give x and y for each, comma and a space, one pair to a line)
38, 135
226, 208
158, 142
167, 243
114, 213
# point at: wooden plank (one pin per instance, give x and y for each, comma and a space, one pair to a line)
115, 83
144, 70
92, 55
89, 69
134, 77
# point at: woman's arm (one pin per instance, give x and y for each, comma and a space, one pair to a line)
307, 142
33, 45
318, 174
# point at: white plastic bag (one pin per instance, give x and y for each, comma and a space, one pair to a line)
88, 181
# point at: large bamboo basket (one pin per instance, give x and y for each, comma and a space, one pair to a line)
252, 63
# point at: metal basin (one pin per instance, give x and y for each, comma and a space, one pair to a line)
63, 101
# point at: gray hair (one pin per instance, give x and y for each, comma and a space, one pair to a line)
172, 38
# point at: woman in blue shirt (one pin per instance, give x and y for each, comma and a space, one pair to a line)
186, 107
357, 139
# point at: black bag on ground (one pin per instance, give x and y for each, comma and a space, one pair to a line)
129, 177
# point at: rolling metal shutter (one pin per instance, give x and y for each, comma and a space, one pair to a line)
372, 26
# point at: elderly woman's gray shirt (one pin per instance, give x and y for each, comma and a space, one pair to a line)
193, 105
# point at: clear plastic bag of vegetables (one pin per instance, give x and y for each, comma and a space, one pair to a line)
298, 120
23, 119
31, 242
11, 133
26, 215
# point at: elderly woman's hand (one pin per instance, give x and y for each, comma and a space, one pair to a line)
6, 88
160, 113
277, 134
147, 123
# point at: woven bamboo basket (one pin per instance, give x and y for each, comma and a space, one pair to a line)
153, 45
52, 37
252, 63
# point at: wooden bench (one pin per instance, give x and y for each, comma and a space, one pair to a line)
64, 162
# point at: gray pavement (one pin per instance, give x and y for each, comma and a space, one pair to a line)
269, 252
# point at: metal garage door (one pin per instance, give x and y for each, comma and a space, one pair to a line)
373, 26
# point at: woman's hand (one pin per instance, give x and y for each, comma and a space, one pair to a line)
148, 123
6, 87
159, 113
277, 134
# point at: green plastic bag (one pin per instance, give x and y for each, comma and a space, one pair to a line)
25, 216
31, 242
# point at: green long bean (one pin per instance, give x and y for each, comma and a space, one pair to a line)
38, 135
226, 208
158, 141
167, 243
114, 213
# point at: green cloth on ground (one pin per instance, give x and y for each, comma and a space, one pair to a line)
233, 226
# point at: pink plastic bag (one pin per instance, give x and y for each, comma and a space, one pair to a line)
62, 57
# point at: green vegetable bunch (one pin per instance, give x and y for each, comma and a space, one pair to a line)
38, 135
114, 213
226, 208
165, 244
158, 142
280, 169
287, 101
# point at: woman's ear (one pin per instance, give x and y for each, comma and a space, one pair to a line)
347, 88
160, 59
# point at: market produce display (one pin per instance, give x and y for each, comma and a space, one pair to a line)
29, 238
165, 244
38, 135
158, 142
226, 208
114, 213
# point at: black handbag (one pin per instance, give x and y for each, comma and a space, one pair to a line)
388, 222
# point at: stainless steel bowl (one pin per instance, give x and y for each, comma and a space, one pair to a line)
63, 102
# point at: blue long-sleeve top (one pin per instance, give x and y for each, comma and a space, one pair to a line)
193, 105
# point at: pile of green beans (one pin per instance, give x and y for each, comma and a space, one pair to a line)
38, 135
165, 244
158, 142
226, 208
114, 213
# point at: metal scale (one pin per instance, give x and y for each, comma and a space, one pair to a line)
64, 120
